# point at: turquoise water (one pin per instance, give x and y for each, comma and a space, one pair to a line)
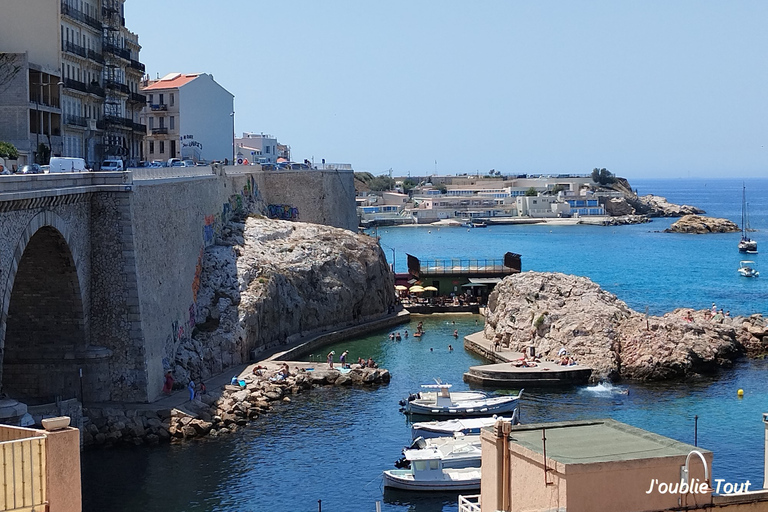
332, 444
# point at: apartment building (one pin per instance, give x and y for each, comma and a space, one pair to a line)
188, 116
75, 89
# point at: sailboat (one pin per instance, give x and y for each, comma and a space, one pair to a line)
746, 244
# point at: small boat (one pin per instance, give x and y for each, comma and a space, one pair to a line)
747, 269
428, 470
466, 426
443, 403
746, 244
458, 451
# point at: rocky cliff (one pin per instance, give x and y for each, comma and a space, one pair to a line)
549, 311
268, 282
698, 224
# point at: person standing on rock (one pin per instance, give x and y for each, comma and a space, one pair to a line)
329, 359
343, 358
168, 385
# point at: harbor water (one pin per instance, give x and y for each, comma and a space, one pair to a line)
332, 444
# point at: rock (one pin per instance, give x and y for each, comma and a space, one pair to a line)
201, 427
549, 311
699, 224
343, 380
189, 431
657, 206
152, 439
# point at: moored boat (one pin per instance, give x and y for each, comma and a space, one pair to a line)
747, 269
465, 426
430, 467
443, 403
746, 244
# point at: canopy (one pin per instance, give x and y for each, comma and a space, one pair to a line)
416, 289
430, 289
401, 288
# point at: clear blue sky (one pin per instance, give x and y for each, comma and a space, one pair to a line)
643, 88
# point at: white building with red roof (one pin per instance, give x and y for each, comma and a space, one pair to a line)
188, 116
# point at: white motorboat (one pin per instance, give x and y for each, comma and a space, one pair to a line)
456, 452
433, 468
466, 426
746, 244
443, 403
747, 269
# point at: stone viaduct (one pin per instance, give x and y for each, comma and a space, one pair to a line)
98, 270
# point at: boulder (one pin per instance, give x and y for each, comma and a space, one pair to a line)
549, 311
698, 224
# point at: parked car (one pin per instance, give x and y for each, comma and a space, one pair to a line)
156, 164
174, 162
67, 164
188, 163
112, 165
30, 169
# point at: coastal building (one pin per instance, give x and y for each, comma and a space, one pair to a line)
72, 85
188, 116
600, 465
259, 148
41, 467
542, 206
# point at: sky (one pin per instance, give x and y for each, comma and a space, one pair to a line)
646, 89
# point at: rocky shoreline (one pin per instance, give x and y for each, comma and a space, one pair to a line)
222, 411
550, 311
700, 225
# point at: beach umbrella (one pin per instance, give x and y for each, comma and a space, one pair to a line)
416, 289
430, 289
401, 288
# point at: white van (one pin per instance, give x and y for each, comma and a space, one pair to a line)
67, 164
112, 165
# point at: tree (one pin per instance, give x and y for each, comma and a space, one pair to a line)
442, 188
9, 68
532, 192
408, 185
602, 176
8, 150
558, 188
380, 183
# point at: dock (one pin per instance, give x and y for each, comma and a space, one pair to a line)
503, 373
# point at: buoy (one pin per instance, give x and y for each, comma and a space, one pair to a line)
740, 393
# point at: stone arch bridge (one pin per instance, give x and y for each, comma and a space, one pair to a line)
98, 270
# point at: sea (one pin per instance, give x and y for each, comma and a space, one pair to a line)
326, 450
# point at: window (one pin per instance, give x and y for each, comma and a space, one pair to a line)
173, 148
267, 148
151, 147
150, 99
161, 98
162, 122
162, 147
171, 103
151, 122
172, 123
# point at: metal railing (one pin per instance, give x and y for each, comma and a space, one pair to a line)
120, 52
96, 56
460, 266
138, 127
78, 15
158, 106
469, 503
159, 131
24, 473
95, 88
333, 167
76, 49
74, 84
158, 173
137, 98
76, 120
113, 84
137, 65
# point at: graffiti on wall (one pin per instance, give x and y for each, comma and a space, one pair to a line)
209, 234
282, 211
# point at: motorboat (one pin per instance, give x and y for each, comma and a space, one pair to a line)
746, 244
443, 403
747, 269
430, 467
456, 452
465, 426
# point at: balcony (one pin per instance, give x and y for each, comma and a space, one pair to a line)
96, 89
159, 131
114, 121
160, 106
74, 84
117, 86
75, 121
137, 65
114, 50
80, 16
138, 127
70, 47
96, 56
137, 98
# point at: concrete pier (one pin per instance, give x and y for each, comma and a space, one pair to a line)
503, 373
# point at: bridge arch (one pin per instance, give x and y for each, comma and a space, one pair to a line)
44, 327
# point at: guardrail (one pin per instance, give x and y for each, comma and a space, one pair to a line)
24, 473
159, 173
461, 266
469, 503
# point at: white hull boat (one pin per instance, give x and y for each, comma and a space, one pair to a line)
466, 426
746, 244
747, 269
444, 464
445, 404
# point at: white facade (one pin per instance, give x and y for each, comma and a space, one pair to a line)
257, 148
542, 206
